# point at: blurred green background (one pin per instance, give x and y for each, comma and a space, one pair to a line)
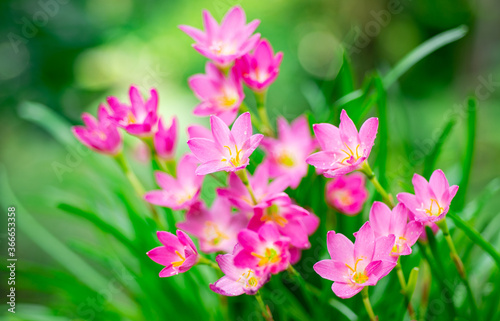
60, 58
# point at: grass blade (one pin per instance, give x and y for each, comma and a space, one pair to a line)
430, 160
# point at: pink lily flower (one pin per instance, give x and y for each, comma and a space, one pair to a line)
100, 135
177, 193
432, 199
291, 220
343, 148
347, 193
165, 140
423, 233
216, 228
219, 95
140, 117
199, 131
260, 68
177, 253
354, 266
239, 196
287, 155
236, 280
225, 42
265, 251
386, 222
229, 150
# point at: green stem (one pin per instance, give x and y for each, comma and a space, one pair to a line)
136, 184
266, 313
204, 261
458, 263
368, 306
255, 122
402, 282
242, 174
365, 169
260, 98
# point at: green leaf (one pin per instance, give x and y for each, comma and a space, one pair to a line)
459, 201
412, 282
430, 160
411, 59
475, 237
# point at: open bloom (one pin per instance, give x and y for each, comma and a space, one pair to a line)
177, 253
229, 150
239, 196
100, 134
287, 154
265, 251
432, 199
219, 95
140, 117
343, 148
291, 220
260, 68
354, 266
177, 193
347, 193
216, 228
237, 280
386, 222
223, 44
165, 140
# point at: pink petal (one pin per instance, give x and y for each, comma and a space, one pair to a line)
221, 133
168, 271
383, 248
211, 26
365, 242
242, 128
322, 160
212, 167
169, 240
421, 187
367, 133
196, 34
204, 149
227, 286
166, 181
332, 270
439, 183
380, 218
340, 248
347, 128
345, 291
162, 256
328, 136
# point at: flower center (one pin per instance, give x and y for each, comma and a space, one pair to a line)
398, 245
433, 210
248, 279
131, 118
285, 159
272, 214
343, 197
358, 277
180, 262
234, 157
222, 48
227, 100
270, 256
214, 234
350, 158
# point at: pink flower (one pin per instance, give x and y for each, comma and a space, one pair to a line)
423, 233
177, 193
216, 228
386, 222
165, 140
236, 280
140, 117
219, 95
198, 131
178, 253
354, 266
229, 150
265, 251
223, 44
343, 149
260, 68
291, 220
239, 196
347, 193
432, 199
100, 135
287, 154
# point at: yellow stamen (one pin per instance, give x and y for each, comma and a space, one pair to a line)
179, 263
430, 211
350, 153
272, 214
270, 257
210, 229
358, 277
234, 161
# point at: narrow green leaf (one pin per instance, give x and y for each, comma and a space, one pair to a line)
430, 160
412, 282
475, 237
459, 201
383, 132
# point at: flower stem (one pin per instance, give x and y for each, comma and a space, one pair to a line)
260, 98
266, 313
242, 174
368, 306
365, 169
402, 282
458, 263
136, 184
204, 261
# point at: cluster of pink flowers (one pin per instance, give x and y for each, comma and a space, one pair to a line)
260, 230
